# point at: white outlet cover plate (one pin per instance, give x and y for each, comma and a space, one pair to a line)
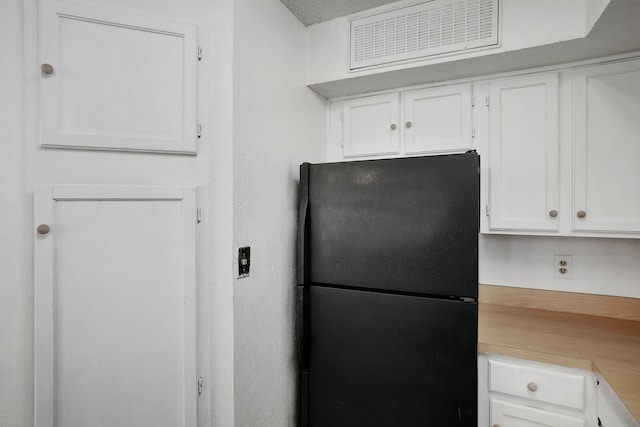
558, 264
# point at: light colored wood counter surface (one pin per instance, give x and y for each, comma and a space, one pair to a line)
517, 323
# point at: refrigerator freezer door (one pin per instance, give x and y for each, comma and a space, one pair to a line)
406, 225
389, 360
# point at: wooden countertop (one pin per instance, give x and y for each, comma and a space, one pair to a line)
519, 323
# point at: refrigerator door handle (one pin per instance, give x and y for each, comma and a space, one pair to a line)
303, 215
300, 328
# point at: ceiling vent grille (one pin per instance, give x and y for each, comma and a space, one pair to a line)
430, 28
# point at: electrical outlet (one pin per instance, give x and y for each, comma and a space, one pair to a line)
563, 267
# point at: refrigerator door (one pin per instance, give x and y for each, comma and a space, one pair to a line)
407, 225
389, 360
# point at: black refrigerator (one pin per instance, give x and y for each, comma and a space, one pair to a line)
387, 315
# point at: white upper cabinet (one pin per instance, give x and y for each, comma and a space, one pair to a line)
116, 81
559, 149
437, 119
524, 153
421, 121
607, 148
371, 126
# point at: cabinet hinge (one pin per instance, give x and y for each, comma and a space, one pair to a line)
199, 130
199, 214
199, 53
473, 101
342, 121
200, 385
487, 210
486, 99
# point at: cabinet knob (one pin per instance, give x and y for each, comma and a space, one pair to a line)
581, 214
496, 425
393, 126
43, 229
46, 69
408, 124
532, 387
553, 213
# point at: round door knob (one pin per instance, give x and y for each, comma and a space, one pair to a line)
408, 124
553, 213
393, 126
532, 387
46, 69
43, 229
581, 214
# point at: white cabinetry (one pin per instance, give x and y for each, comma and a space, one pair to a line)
560, 149
371, 126
524, 182
607, 148
115, 81
611, 410
523, 393
421, 121
437, 119
507, 414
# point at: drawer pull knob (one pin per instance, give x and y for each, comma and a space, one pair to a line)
532, 387
581, 214
553, 213
46, 69
393, 126
408, 124
43, 229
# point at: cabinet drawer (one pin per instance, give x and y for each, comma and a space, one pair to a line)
507, 414
536, 383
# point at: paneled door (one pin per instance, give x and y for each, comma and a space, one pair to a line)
437, 119
115, 320
116, 81
524, 152
607, 148
371, 126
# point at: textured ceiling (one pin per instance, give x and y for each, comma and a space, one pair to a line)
311, 12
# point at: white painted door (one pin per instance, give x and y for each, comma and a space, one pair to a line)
508, 414
437, 119
524, 183
115, 81
371, 126
115, 306
607, 148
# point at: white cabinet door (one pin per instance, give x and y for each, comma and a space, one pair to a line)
607, 148
115, 306
115, 81
371, 126
524, 153
437, 119
507, 414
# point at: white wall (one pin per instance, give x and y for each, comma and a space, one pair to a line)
278, 124
15, 292
23, 164
600, 266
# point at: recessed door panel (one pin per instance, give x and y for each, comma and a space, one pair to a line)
524, 187
607, 148
117, 81
115, 316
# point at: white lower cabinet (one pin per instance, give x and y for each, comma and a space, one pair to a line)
528, 394
508, 414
